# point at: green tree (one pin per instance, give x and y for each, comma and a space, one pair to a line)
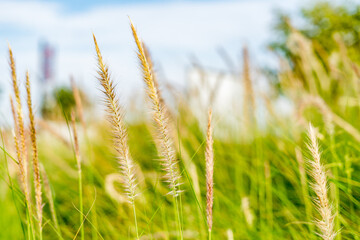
322, 22
59, 104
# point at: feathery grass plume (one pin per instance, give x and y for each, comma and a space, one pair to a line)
13, 113
151, 67
167, 151
119, 131
78, 162
320, 186
19, 122
169, 115
209, 159
16, 137
37, 180
19, 138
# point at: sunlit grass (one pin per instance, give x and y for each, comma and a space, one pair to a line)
261, 186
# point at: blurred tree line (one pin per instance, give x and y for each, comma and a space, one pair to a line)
61, 102
329, 26
326, 32
322, 22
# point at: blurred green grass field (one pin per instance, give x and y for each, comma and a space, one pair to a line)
262, 189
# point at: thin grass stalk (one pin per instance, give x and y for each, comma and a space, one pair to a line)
37, 179
80, 113
78, 162
209, 160
304, 187
320, 187
9, 178
20, 137
167, 150
50, 198
177, 212
336, 192
269, 197
259, 189
120, 136
249, 99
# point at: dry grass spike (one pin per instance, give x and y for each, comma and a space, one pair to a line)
20, 132
16, 137
118, 126
119, 132
151, 67
36, 169
167, 150
209, 160
19, 138
320, 187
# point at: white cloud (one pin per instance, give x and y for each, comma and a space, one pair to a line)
172, 30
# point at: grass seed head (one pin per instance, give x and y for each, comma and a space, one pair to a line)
166, 150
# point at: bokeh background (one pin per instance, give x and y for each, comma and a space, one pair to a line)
267, 68
52, 39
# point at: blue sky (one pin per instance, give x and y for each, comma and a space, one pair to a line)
175, 32
80, 5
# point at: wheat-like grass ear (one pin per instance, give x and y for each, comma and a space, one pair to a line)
36, 169
19, 123
120, 137
151, 67
115, 116
19, 138
16, 136
167, 151
320, 187
209, 162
